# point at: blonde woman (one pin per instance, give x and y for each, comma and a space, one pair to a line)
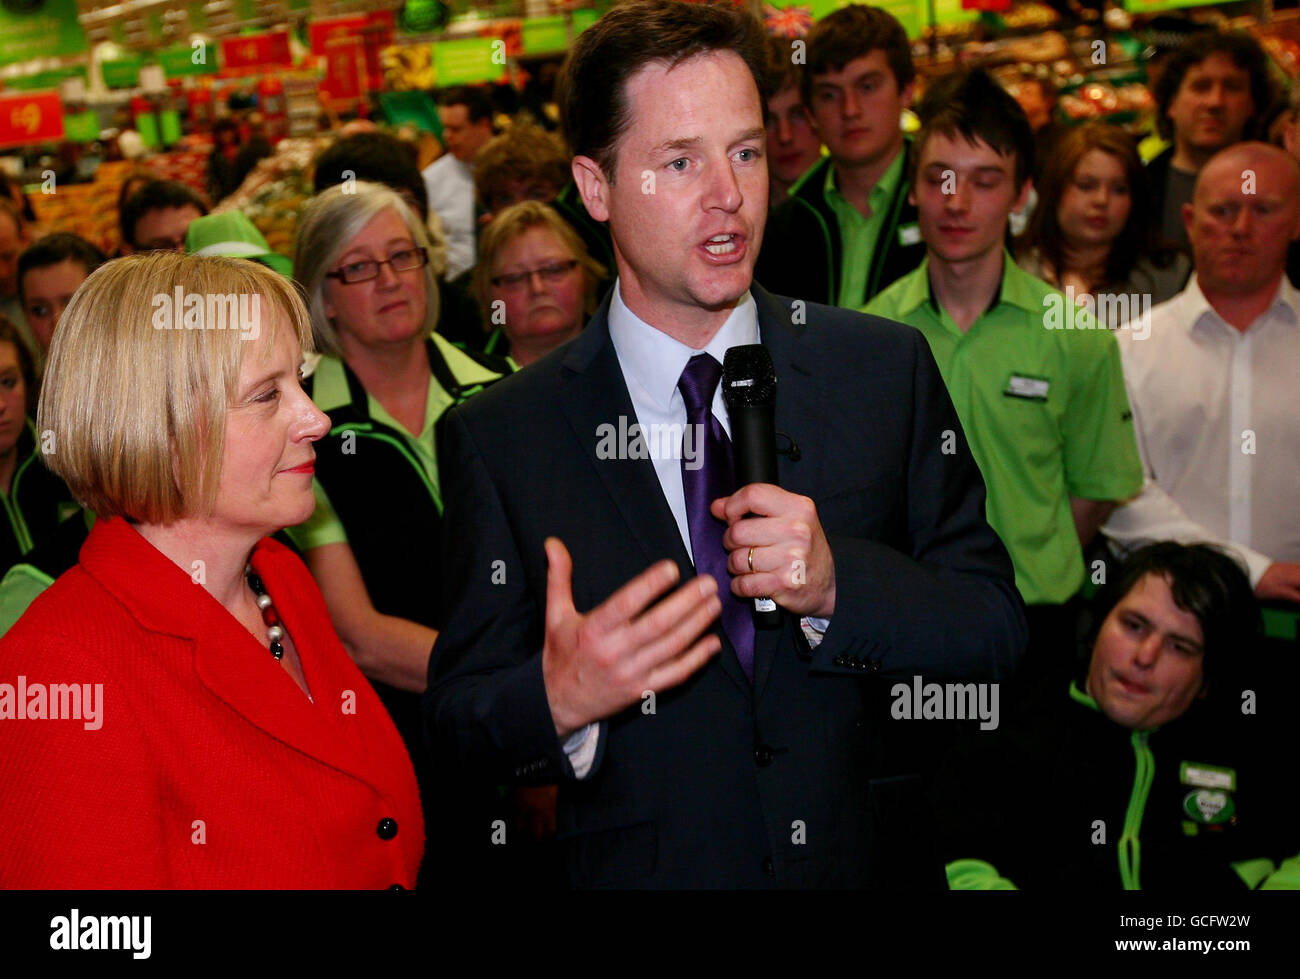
200, 724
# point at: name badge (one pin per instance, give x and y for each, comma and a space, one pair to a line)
1207, 776
909, 234
1032, 388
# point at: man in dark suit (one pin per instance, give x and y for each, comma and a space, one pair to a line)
692, 752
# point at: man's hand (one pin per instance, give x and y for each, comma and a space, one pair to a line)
1280, 582
792, 563
596, 664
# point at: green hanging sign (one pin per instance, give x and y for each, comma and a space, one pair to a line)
542, 35
469, 60
199, 58
81, 127
122, 72
45, 79
40, 29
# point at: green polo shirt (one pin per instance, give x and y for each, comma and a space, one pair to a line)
1044, 410
330, 391
858, 234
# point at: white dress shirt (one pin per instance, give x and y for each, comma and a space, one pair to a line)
652, 364
1217, 416
450, 185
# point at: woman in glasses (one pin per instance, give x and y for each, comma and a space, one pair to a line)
384, 379
534, 282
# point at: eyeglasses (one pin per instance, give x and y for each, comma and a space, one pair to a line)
164, 245
407, 260
547, 273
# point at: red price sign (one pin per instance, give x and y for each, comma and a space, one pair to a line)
30, 119
256, 50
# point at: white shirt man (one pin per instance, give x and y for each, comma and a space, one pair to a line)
1213, 387
449, 179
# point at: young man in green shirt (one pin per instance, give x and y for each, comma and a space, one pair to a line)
848, 229
1044, 408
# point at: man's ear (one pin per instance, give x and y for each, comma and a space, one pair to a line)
906, 94
1188, 210
592, 186
1022, 198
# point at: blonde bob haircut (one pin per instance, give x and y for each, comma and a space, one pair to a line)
137, 411
327, 228
515, 220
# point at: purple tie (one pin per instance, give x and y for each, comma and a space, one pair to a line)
705, 478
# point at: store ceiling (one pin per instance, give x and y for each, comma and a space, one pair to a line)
140, 19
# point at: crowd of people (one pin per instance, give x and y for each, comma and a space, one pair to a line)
360, 568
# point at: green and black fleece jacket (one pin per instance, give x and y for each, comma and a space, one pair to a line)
1065, 799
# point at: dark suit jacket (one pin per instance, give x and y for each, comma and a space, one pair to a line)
725, 784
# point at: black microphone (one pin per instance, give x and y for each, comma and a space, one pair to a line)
749, 390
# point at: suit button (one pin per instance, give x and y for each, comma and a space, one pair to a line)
396, 887
387, 828
768, 867
763, 755
838, 661
873, 666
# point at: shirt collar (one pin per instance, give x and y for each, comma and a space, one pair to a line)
1195, 309
1015, 288
884, 187
653, 361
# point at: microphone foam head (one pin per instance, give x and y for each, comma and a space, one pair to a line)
748, 377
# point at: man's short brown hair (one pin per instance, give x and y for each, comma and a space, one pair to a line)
854, 32
523, 152
593, 83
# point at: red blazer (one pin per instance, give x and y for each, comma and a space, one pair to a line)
211, 768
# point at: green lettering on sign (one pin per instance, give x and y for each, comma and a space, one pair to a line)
40, 30
465, 61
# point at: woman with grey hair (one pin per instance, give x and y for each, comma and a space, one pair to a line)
385, 377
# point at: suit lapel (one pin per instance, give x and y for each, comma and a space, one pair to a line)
227, 660
594, 393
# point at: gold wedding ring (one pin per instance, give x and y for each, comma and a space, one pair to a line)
751, 560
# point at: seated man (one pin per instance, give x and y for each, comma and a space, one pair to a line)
1213, 387
1147, 772
1044, 409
